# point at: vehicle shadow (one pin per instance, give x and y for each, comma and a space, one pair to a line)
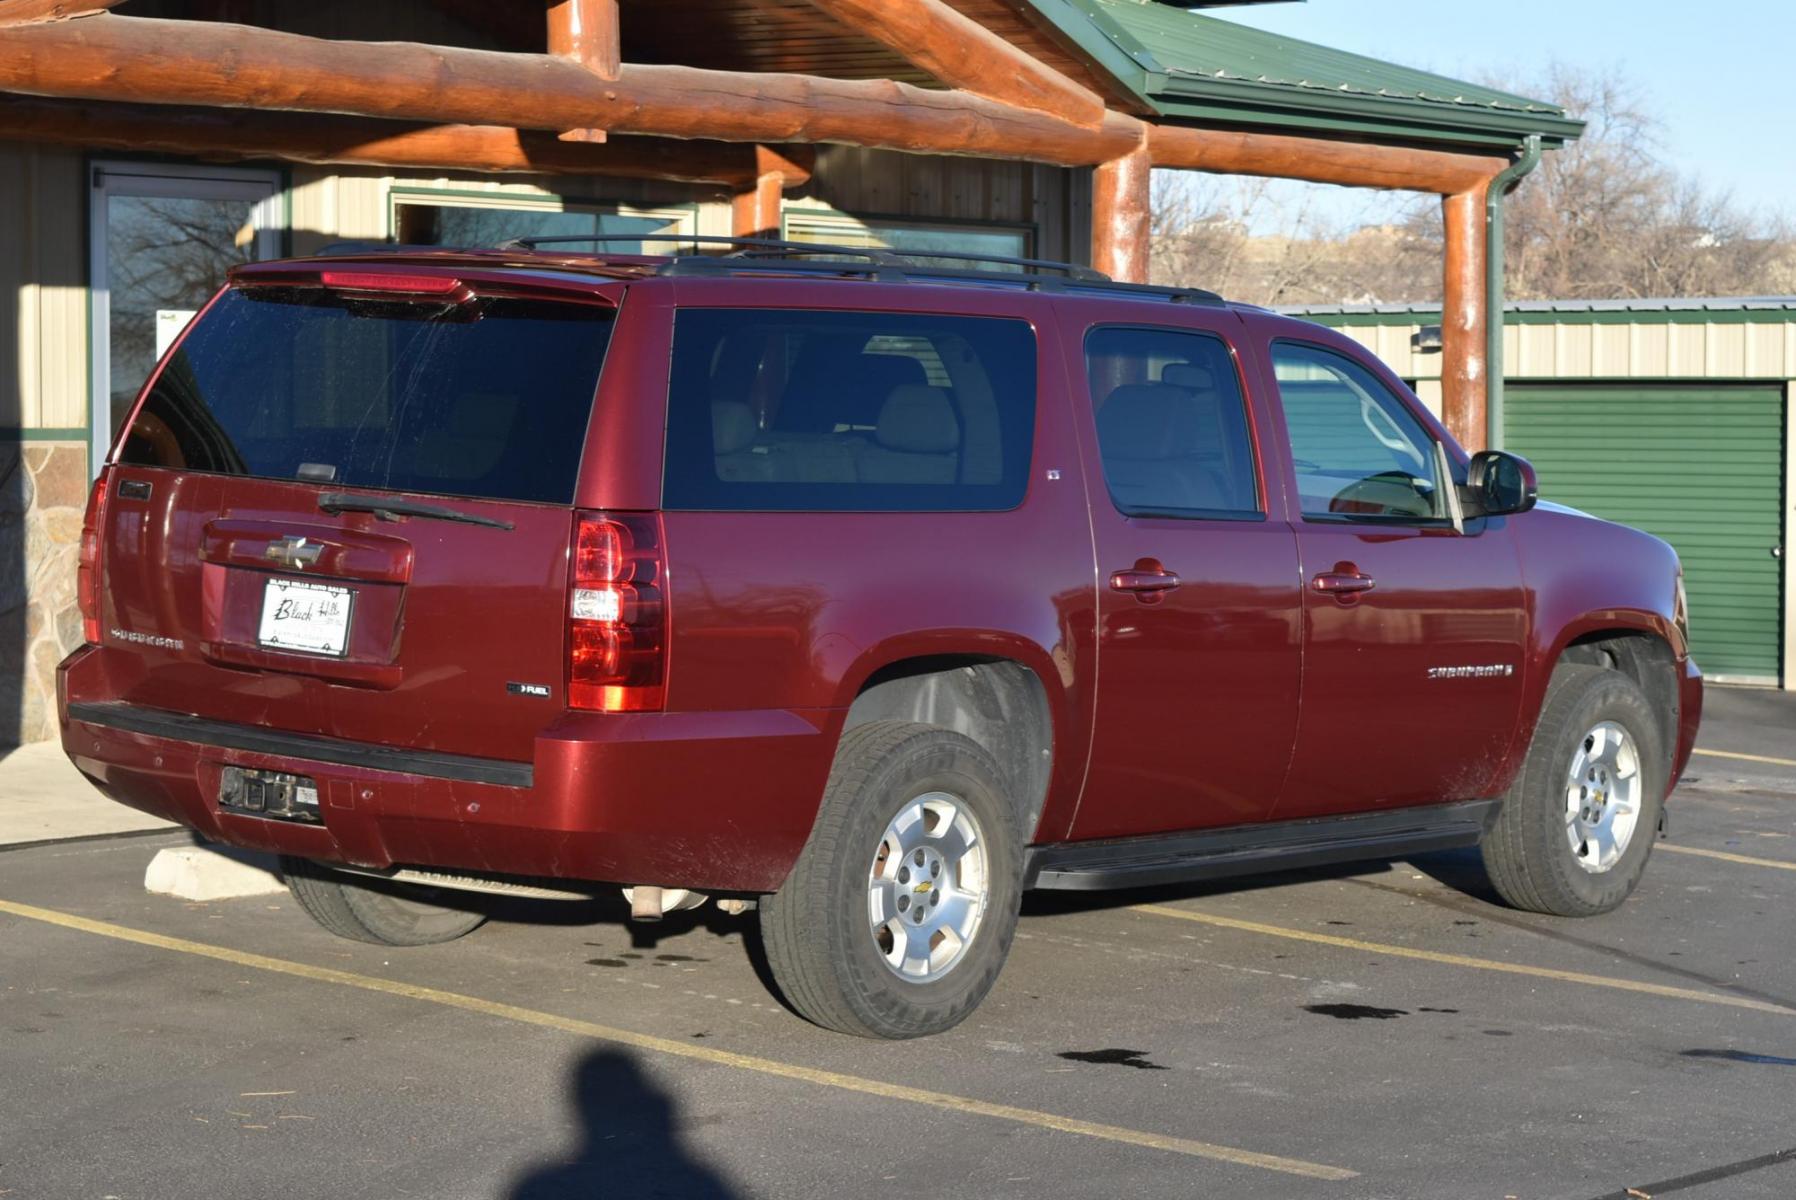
630, 1143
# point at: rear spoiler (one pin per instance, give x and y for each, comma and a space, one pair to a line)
425, 284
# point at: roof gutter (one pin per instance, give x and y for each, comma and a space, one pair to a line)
1501, 184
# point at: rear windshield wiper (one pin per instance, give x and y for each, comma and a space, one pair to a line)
391, 509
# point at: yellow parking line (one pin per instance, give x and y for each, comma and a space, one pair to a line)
667, 1046
1466, 960
1668, 848
1758, 758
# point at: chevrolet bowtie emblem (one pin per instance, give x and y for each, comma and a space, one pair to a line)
293, 552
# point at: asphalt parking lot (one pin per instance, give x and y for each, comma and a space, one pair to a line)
1387, 1031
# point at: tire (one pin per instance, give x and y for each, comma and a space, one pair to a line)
901, 796
374, 911
1528, 851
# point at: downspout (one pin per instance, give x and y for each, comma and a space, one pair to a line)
1501, 185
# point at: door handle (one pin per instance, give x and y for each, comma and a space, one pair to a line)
1147, 579
1344, 586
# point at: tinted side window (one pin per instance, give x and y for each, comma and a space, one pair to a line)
848, 411
1172, 425
1358, 450
488, 399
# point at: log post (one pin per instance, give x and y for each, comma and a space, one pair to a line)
585, 31
1119, 216
1464, 372
755, 210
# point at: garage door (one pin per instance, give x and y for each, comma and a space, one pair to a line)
1700, 466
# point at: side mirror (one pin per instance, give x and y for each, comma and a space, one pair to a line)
1497, 484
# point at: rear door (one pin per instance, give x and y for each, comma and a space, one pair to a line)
1198, 600
251, 571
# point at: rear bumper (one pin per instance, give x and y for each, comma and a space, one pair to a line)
712, 801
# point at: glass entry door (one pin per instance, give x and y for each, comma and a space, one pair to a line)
162, 238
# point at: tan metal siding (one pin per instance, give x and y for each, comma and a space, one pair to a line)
1573, 349
43, 295
344, 204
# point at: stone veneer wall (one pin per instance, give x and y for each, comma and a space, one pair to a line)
43, 494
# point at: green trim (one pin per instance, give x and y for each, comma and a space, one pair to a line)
1265, 104
1494, 278
76, 433
1310, 121
1679, 316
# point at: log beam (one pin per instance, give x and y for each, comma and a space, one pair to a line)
186, 62
585, 32
206, 63
1464, 370
332, 140
25, 12
964, 54
1120, 210
1319, 160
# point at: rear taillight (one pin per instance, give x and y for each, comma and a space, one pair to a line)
87, 572
617, 614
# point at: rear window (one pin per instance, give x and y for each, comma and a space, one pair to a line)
489, 399
848, 411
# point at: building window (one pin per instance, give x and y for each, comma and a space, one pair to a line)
488, 218
909, 237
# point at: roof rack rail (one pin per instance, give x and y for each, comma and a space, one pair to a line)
777, 248
876, 263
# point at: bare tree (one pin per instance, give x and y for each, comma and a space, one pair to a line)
1603, 217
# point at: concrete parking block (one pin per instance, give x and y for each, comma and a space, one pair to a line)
211, 873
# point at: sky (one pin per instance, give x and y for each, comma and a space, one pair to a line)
1715, 74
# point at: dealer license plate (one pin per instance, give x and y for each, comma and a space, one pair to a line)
312, 618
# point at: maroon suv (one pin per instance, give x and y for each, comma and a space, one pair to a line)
873, 590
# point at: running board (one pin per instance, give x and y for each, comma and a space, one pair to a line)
1250, 849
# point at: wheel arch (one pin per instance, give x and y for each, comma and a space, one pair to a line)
1642, 644
1648, 658
998, 701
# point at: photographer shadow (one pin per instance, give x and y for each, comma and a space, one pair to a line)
630, 1145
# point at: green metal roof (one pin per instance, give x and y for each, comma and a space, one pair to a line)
1212, 71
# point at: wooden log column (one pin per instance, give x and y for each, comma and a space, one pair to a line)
755, 211
585, 31
1120, 208
1465, 373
